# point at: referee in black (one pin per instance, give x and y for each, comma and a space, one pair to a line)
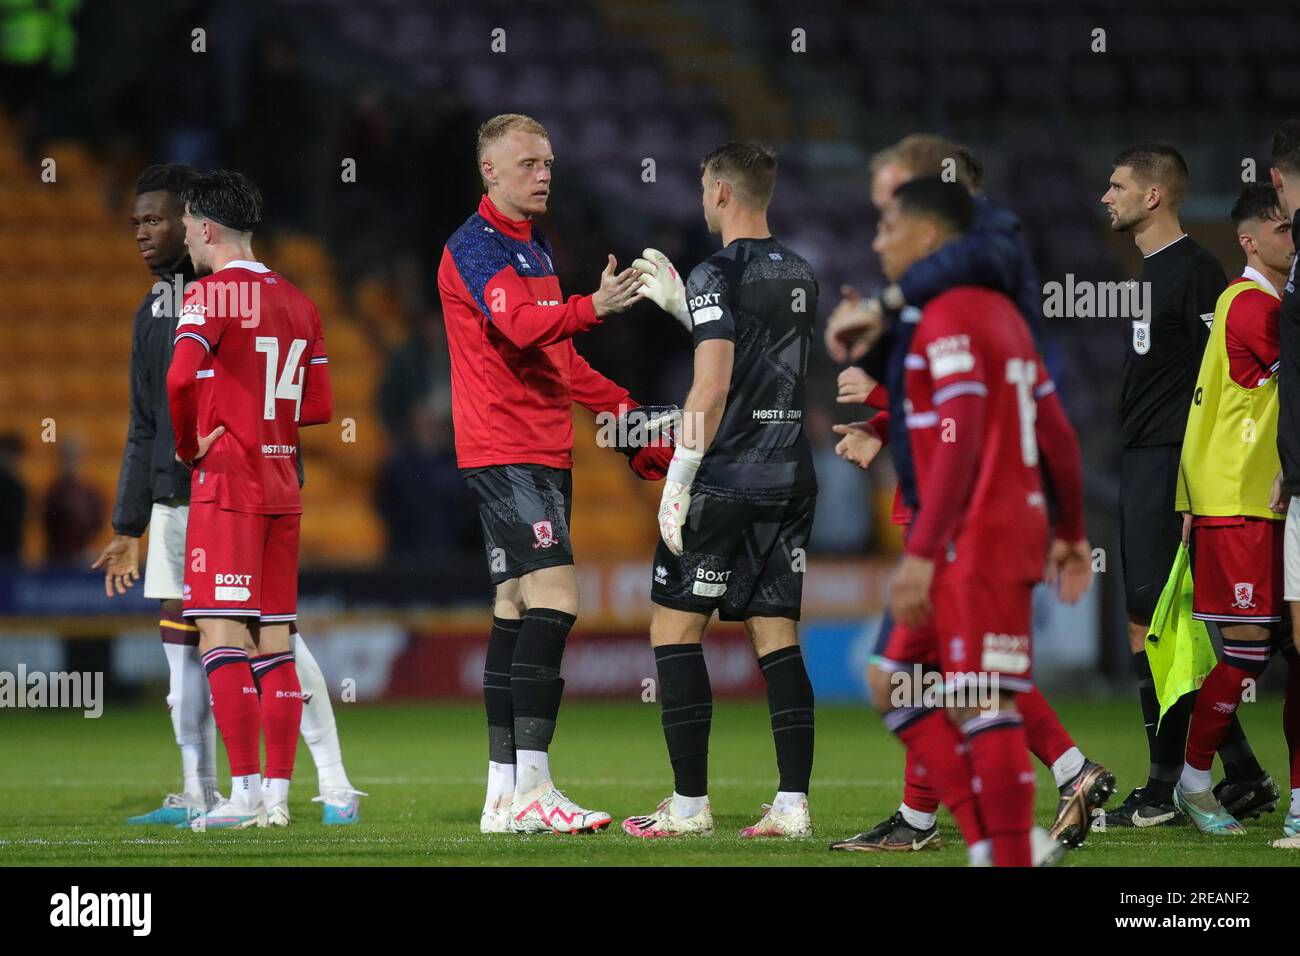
1178, 287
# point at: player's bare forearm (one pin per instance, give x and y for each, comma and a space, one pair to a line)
702, 413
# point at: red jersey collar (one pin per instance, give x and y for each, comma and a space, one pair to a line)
514, 228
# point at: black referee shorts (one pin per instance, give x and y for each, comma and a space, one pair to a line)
741, 557
525, 511
1149, 528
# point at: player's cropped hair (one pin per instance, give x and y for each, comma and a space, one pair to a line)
925, 154
750, 167
1158, 163
227, 198
498, 126
174, 178
933, 197
1257, 202
1286, 148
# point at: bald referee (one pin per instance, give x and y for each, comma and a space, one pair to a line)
1179, 284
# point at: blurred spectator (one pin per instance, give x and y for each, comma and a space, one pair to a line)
843, 521
13, 499
375, 228
74, 511
421, 496
285, 113
418, 372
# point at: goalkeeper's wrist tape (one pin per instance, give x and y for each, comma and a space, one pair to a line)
685, 463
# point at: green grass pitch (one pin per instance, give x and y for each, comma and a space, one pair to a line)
69, 783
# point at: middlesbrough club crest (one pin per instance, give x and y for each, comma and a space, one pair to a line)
1243, 595
543, 533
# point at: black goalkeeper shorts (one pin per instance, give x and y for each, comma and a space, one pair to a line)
1149, 528
525, 511
741, 557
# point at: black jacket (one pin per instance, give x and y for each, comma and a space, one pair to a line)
150, 471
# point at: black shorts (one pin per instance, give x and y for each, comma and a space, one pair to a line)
741, 557
525, 510
1149, 527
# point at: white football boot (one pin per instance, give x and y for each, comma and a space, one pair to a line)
548, 810
664, 823
790, 822
228, 815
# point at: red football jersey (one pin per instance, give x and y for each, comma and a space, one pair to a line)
255, 341
973, 341
515, 373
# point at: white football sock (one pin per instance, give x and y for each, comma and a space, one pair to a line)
1067, 766
787, 801
319, 728
189, 703
275, 790
246, 791
980, 854
687, 806
500, 785
532, 769
1195, 781
915, 818
1295, 801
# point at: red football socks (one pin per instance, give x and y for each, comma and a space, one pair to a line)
235, 707
281, 711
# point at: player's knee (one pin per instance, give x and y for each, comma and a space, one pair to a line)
508, 600
555, 588
676, 627
769, 634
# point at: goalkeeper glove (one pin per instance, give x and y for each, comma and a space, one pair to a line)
662, 284
675, 504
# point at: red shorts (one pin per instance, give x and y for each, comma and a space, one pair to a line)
1238, 571
239, 564
978, 628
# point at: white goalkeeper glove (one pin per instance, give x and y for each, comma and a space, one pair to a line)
676, 501
662, 284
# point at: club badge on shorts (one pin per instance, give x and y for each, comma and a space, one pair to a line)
543, 533
1243, 595
1141, 336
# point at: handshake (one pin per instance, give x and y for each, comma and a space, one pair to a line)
651, 277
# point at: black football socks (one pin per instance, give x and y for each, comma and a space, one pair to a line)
790, 703
535, 683
496, 689
687, 701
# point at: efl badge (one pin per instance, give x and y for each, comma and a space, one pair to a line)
1141, 337
542, 532
1244, 595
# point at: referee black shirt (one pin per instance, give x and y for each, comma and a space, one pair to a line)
1164, 355
1288, 377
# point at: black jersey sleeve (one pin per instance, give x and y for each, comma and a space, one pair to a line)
708, 299
1206, 284
134, 500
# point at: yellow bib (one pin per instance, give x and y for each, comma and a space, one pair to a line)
1229, 457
